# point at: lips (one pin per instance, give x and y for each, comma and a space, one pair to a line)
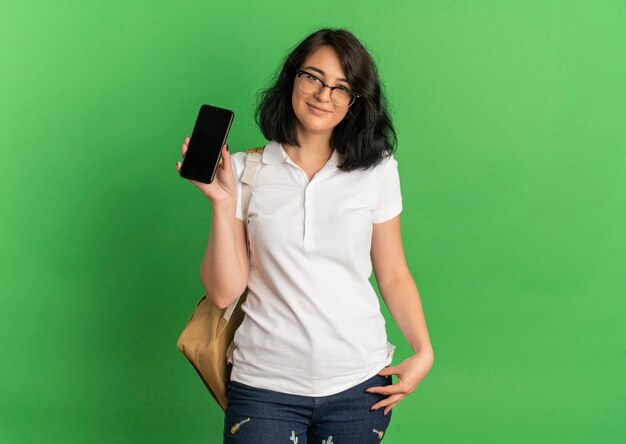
318, 109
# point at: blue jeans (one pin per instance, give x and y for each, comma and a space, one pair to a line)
260, 416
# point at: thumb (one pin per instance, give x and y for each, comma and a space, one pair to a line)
226, 162
389, 370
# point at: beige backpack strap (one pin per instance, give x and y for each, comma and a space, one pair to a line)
253, 161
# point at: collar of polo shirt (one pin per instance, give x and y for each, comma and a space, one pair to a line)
274, 153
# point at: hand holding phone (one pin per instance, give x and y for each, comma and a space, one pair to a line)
209, 135
222, 187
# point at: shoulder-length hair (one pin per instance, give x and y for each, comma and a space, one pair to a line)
367, 136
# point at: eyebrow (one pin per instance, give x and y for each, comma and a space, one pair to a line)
323, 73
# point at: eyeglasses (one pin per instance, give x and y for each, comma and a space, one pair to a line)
311, 84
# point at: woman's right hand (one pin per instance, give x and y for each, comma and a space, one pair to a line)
223, 189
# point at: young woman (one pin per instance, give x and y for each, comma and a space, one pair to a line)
312, 360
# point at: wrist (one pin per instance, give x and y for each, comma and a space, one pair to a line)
225, 209
426, 357
424, 350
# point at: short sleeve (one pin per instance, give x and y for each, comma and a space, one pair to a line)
389, 203
238, 162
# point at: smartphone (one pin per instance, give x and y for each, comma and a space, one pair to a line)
204, 150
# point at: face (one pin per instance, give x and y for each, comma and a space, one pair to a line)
316, 112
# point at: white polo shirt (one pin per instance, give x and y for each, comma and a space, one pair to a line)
313, 324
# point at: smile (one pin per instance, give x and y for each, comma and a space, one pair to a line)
317, 111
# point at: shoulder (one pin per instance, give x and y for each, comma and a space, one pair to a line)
238, 157
385, 166
390, 161
238, 161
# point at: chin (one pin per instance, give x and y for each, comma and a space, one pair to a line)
316, 127
314, 124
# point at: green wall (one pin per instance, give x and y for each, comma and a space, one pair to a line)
511, 123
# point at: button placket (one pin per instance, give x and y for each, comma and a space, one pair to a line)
308, 239
303, 181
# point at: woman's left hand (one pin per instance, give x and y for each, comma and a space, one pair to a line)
410, 374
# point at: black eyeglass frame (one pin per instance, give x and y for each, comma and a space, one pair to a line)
301, 72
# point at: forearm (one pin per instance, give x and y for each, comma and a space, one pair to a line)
403, 300
221, 271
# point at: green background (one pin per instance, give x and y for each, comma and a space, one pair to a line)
511, 122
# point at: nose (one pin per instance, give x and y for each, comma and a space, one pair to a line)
324, 94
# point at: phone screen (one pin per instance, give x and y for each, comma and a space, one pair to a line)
205, 145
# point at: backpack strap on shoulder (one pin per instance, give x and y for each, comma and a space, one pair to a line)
253, 159
256, 150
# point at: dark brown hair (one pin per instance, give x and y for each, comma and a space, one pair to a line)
364, 139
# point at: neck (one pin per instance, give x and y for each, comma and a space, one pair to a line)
314, 147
